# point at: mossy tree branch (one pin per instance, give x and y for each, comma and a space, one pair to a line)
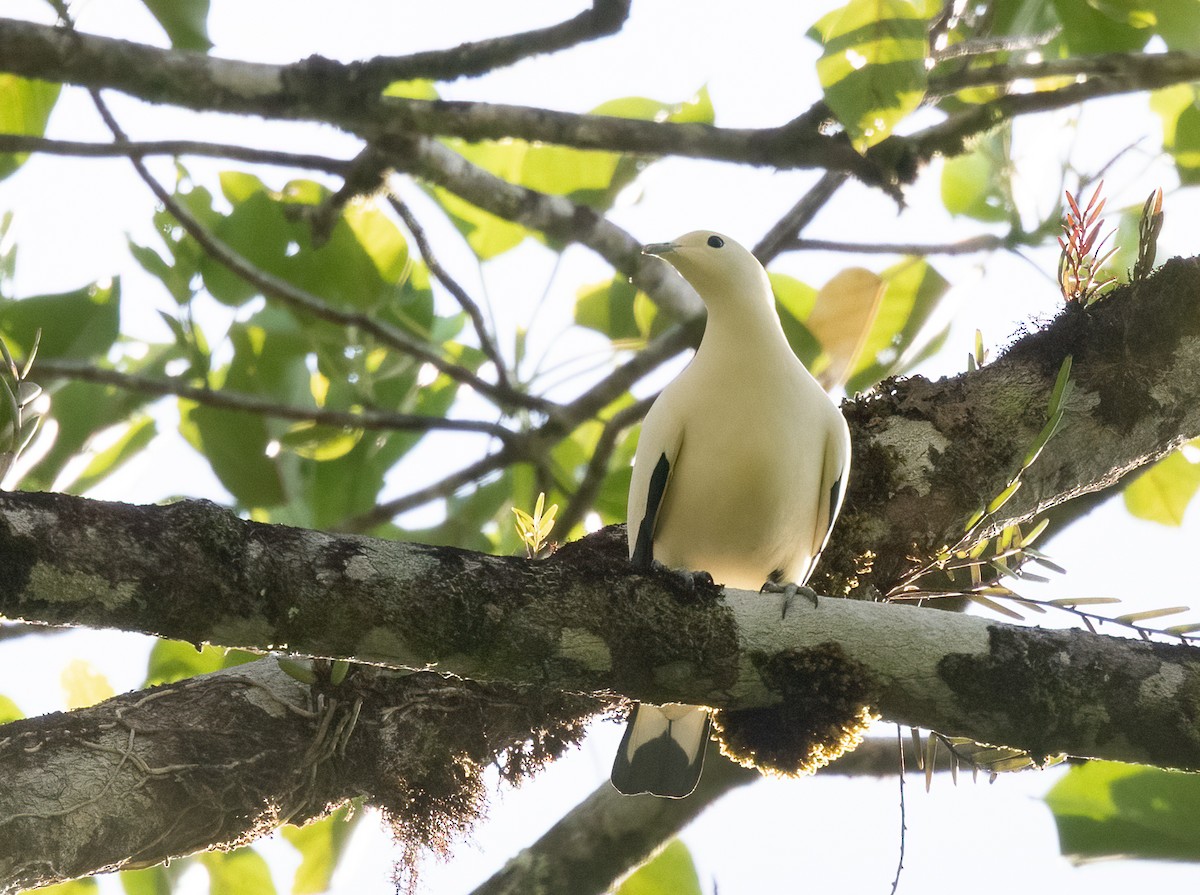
582, 622
220, 759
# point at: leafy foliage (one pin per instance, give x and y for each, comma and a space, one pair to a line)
1104, 810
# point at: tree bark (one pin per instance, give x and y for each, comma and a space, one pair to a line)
220, 759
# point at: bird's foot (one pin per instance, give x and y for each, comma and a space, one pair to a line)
690, 580
789, 591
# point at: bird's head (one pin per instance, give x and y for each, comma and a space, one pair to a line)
713, 263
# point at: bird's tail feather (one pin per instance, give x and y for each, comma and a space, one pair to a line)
662, 752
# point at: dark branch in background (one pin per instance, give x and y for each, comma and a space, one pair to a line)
985, 242
1139, 71
318, 89
597, 468
470, 60
143, 148
597, 841
799, 217
486, 342
556, 216
246, 403
444, 487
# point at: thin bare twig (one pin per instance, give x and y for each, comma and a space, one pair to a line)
384, 512
985, 242
143, 148
799, 217
597, 468
486, 343
366, 418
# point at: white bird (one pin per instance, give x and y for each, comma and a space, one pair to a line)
740, 471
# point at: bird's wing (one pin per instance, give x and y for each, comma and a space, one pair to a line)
658, 451
834, 472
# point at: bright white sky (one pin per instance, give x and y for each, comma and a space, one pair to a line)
816, 834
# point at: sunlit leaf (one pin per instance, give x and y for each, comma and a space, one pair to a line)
914, 291
78, 325
1148, 614
873, 65
185, 21
24, 109
1179, 109
84, 685
608, 308
319, 442
1105, 809
1101, 26
975, 183
320, 844
842, 319
1163, 492
130, 443
154, 880
671, 872
174, 660
237, 872
235, 445
794, 301
9, 711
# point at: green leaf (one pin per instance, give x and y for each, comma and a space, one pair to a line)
671, 872
1105, 809
9, 711
873, 65
84, 886
608, 308
185, 21
1092, 27
362, 263
237, 872
131, 442
235, 445
975, 184
1179, 109
320, 845
174, 660
1162, 493
914, 291
319, 442
794, 301
78, 325
24, 109
154, 880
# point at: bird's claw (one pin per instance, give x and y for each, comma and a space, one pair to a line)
790, 591
690, 580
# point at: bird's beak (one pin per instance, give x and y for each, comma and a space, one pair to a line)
659, 248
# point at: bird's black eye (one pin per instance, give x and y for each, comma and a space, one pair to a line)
716, 242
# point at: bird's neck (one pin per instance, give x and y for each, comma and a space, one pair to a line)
743, 334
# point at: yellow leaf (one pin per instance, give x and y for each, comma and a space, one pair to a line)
84, 685
842, 318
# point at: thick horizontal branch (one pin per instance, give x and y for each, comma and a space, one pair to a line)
223, 758
582, 622
348, 95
